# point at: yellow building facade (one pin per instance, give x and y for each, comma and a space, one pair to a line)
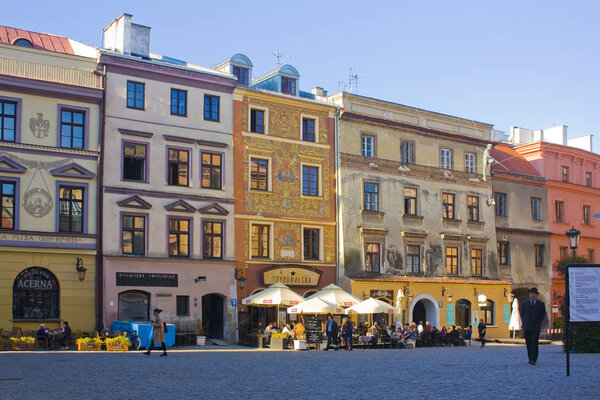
51, 104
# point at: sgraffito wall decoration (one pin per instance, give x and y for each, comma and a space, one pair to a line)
39, 126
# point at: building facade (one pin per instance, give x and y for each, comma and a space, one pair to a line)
168, 227
284, 177
50, 106
415, 222
572, 182
523, 233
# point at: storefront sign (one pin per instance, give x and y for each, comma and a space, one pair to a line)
292, 275
145, 279
506, 314
35, 279
388, 294
450, 314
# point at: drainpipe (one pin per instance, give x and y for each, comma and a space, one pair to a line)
99, 213
338, 187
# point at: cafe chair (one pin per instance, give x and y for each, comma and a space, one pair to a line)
42, 342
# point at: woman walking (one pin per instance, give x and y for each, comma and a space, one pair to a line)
158, 336
482, 329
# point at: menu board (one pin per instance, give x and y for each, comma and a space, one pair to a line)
312, 324
584, 293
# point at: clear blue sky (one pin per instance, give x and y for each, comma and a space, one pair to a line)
525, 63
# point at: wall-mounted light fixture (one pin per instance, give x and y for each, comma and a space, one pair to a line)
573, 236
200, 278
80, 269
446, 292
240, 278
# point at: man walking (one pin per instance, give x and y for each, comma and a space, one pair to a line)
533, 313
331, 329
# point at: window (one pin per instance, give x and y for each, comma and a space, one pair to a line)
446, 158
260, 241
36, 294
178, 102
212, 239
565, 173
500, 200
407, 152
288, 85
476, 262
134, 162
536, 208
7, 202
242, 75
371, 196
588, 179
410, 201
72, 128
310, 180
257, 121
504, 253
22, 43
308, 130
448, 205
591, 255
413, 259
487, 313
563, 252
70, 209
539, 255
373, 257
211, 108
473, 208
135, 95
259, 179
183, 306
470, 162
559, 210
368, 146
179, 237
452, 260
311, 244
178, 167
133, 234
586, 215
8, 120
211, 171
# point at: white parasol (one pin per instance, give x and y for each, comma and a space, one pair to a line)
371, 306
315, 306
275, 295
399, 298
336, 295
515, 317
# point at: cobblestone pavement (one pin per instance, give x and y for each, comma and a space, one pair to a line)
494, 372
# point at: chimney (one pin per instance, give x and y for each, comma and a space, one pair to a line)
319, 91
124, 37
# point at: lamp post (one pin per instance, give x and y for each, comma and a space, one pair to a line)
573, 236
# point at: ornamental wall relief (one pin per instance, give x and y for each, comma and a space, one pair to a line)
39, 126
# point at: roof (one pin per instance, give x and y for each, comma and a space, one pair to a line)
285, 69
413, 279
356, 116
509, 161
41, 41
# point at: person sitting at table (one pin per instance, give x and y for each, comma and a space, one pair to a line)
65, 334
300, 331
287, 330
43, 331
268, 331
372, 335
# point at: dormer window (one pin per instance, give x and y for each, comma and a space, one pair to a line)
241, 75
22, 43
288, 86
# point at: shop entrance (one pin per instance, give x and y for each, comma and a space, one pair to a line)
134, 305
424, 308
462, 315
419, 313
212, 315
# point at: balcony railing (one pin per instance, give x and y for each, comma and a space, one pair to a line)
49, 73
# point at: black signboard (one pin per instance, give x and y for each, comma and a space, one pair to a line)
144, 279
312, 324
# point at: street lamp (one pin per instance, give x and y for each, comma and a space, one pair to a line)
80, 269
573, 236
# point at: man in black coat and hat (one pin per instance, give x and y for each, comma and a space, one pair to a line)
331, 329
533, 313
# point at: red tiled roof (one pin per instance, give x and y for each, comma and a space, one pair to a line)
392, 278
41, 41
353, 115
508, 160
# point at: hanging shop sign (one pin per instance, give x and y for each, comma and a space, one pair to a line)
386, 294
291, 275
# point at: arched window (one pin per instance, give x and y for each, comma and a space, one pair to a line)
23, 43
36, 294
488, 313
134, 305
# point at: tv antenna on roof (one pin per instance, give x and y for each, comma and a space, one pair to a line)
279, 57
352, 85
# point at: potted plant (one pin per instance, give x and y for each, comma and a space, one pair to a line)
257, 340
23, 343
279, 341
119, 343
88, 344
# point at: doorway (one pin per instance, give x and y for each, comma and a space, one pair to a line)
425, 308
419, 313
462, 315
212, 315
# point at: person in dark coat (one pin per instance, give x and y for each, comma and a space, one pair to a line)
347, 330
533, 313
482, 328
331, 330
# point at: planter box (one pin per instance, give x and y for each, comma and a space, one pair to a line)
116, 347
200, 340
300, 345
278, 343
257, 341
89, 347
21, 346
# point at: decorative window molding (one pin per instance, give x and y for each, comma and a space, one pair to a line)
7, 164
213, 209
179, 139
72, 170
180, 206
135, 133
135, 201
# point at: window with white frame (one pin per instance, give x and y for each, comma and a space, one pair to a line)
470, 163
446, 158
368, 146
